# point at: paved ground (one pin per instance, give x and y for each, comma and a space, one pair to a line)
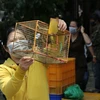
90, 85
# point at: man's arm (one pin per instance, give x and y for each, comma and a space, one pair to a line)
10, 85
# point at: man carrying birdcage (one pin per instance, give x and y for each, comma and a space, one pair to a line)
22, 77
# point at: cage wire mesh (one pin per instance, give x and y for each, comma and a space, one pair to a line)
33, 40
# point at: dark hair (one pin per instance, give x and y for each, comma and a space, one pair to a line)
77, 22
4, 42
5, 37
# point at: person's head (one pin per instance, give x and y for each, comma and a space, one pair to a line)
94, 19
74, 27
9, 39
6, 36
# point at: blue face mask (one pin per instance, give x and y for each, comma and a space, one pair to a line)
72, 30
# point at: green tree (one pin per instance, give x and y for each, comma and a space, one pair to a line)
24, 10
33, 9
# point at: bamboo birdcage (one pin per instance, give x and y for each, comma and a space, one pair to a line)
42, 45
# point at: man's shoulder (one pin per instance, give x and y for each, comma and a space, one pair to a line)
3, 66
96, 29
97, 26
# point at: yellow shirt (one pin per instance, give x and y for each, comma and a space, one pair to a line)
17, 84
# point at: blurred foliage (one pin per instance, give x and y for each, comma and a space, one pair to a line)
33, 9
24, 10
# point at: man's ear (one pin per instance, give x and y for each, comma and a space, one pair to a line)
5, 48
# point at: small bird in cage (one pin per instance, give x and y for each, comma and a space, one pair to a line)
37, 39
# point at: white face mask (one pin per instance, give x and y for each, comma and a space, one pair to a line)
73, 30
16, 47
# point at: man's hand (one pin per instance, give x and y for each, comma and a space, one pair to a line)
25, 63
62, 25
94, 59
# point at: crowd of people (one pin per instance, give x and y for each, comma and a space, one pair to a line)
21, 78
78, 39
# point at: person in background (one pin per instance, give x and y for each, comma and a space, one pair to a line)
95, 37
78, 39
25, 78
